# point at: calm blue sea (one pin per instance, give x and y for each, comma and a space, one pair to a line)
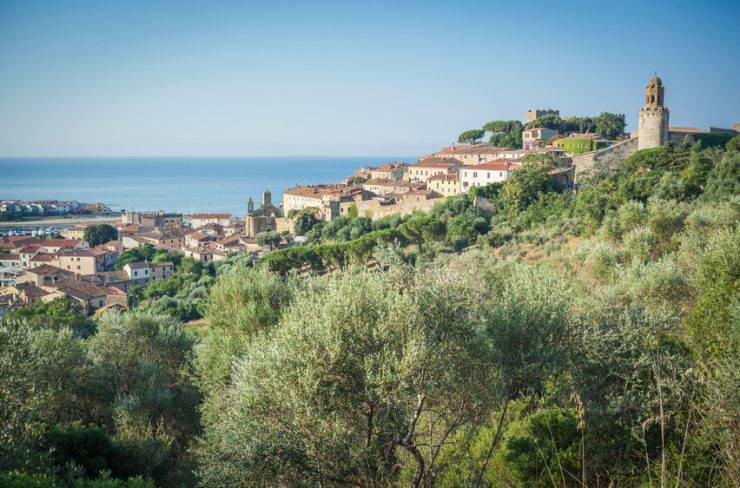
194, 184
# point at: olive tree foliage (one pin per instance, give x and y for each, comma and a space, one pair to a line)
360, 374
131, 379
144, 369
244, 302
44, 379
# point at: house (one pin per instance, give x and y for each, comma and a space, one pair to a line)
118, 279
41, 258
27, 253
390, 171
331, 200
445, 184
230, 243
537, 136
487, 173
85, 297
212, 229
143, 273
384, 186
427, 167
199, 220
77, 231
56, 245
83, 261
204, 254
23, 294
17, 242
198, 239
9, 275
44, 275
170, 238
8, 260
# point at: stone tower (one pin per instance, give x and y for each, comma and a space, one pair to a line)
653, 122
250, 205
266, 198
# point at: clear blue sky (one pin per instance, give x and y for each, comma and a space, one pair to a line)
186, 77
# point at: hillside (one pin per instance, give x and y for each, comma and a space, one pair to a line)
561, 337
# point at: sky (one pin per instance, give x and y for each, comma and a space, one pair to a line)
193, 78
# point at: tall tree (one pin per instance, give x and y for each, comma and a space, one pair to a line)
100, 234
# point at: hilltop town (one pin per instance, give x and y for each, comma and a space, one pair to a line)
38, 269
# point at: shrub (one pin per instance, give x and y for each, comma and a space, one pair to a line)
639, 244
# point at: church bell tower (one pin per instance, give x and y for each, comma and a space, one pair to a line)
653, 121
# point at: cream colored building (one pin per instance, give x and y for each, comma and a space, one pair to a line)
80, 261
392, 171
385, 186
407, 203
447, 185
428, 167
331, 200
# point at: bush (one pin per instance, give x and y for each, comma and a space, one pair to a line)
640, 244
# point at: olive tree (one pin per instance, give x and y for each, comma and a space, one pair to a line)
358, 376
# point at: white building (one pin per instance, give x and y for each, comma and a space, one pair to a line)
487, 173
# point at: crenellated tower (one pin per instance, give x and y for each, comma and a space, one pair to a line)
653, 120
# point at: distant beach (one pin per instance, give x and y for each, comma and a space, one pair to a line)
191, 184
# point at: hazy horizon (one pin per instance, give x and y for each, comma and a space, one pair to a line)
157, 79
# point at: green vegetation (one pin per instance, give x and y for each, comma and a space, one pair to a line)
578, 146
470, 136
100, 234
506, 133
147, 253
566, 338
608, 125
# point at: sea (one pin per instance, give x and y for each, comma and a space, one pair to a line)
172, 184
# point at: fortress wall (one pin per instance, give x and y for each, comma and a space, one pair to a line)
604, 159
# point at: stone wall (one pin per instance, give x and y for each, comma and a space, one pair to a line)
606, 159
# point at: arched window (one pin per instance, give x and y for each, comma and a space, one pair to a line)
652, 99
660, 99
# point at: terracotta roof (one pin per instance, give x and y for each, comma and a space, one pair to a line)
13, 256
60, 242
497, 165
319, 191
78, 253
18, 241
692, 130
31, 290
112, 290
80, 290
42, 257
28, 249
139, 265
45, 269
437, 163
